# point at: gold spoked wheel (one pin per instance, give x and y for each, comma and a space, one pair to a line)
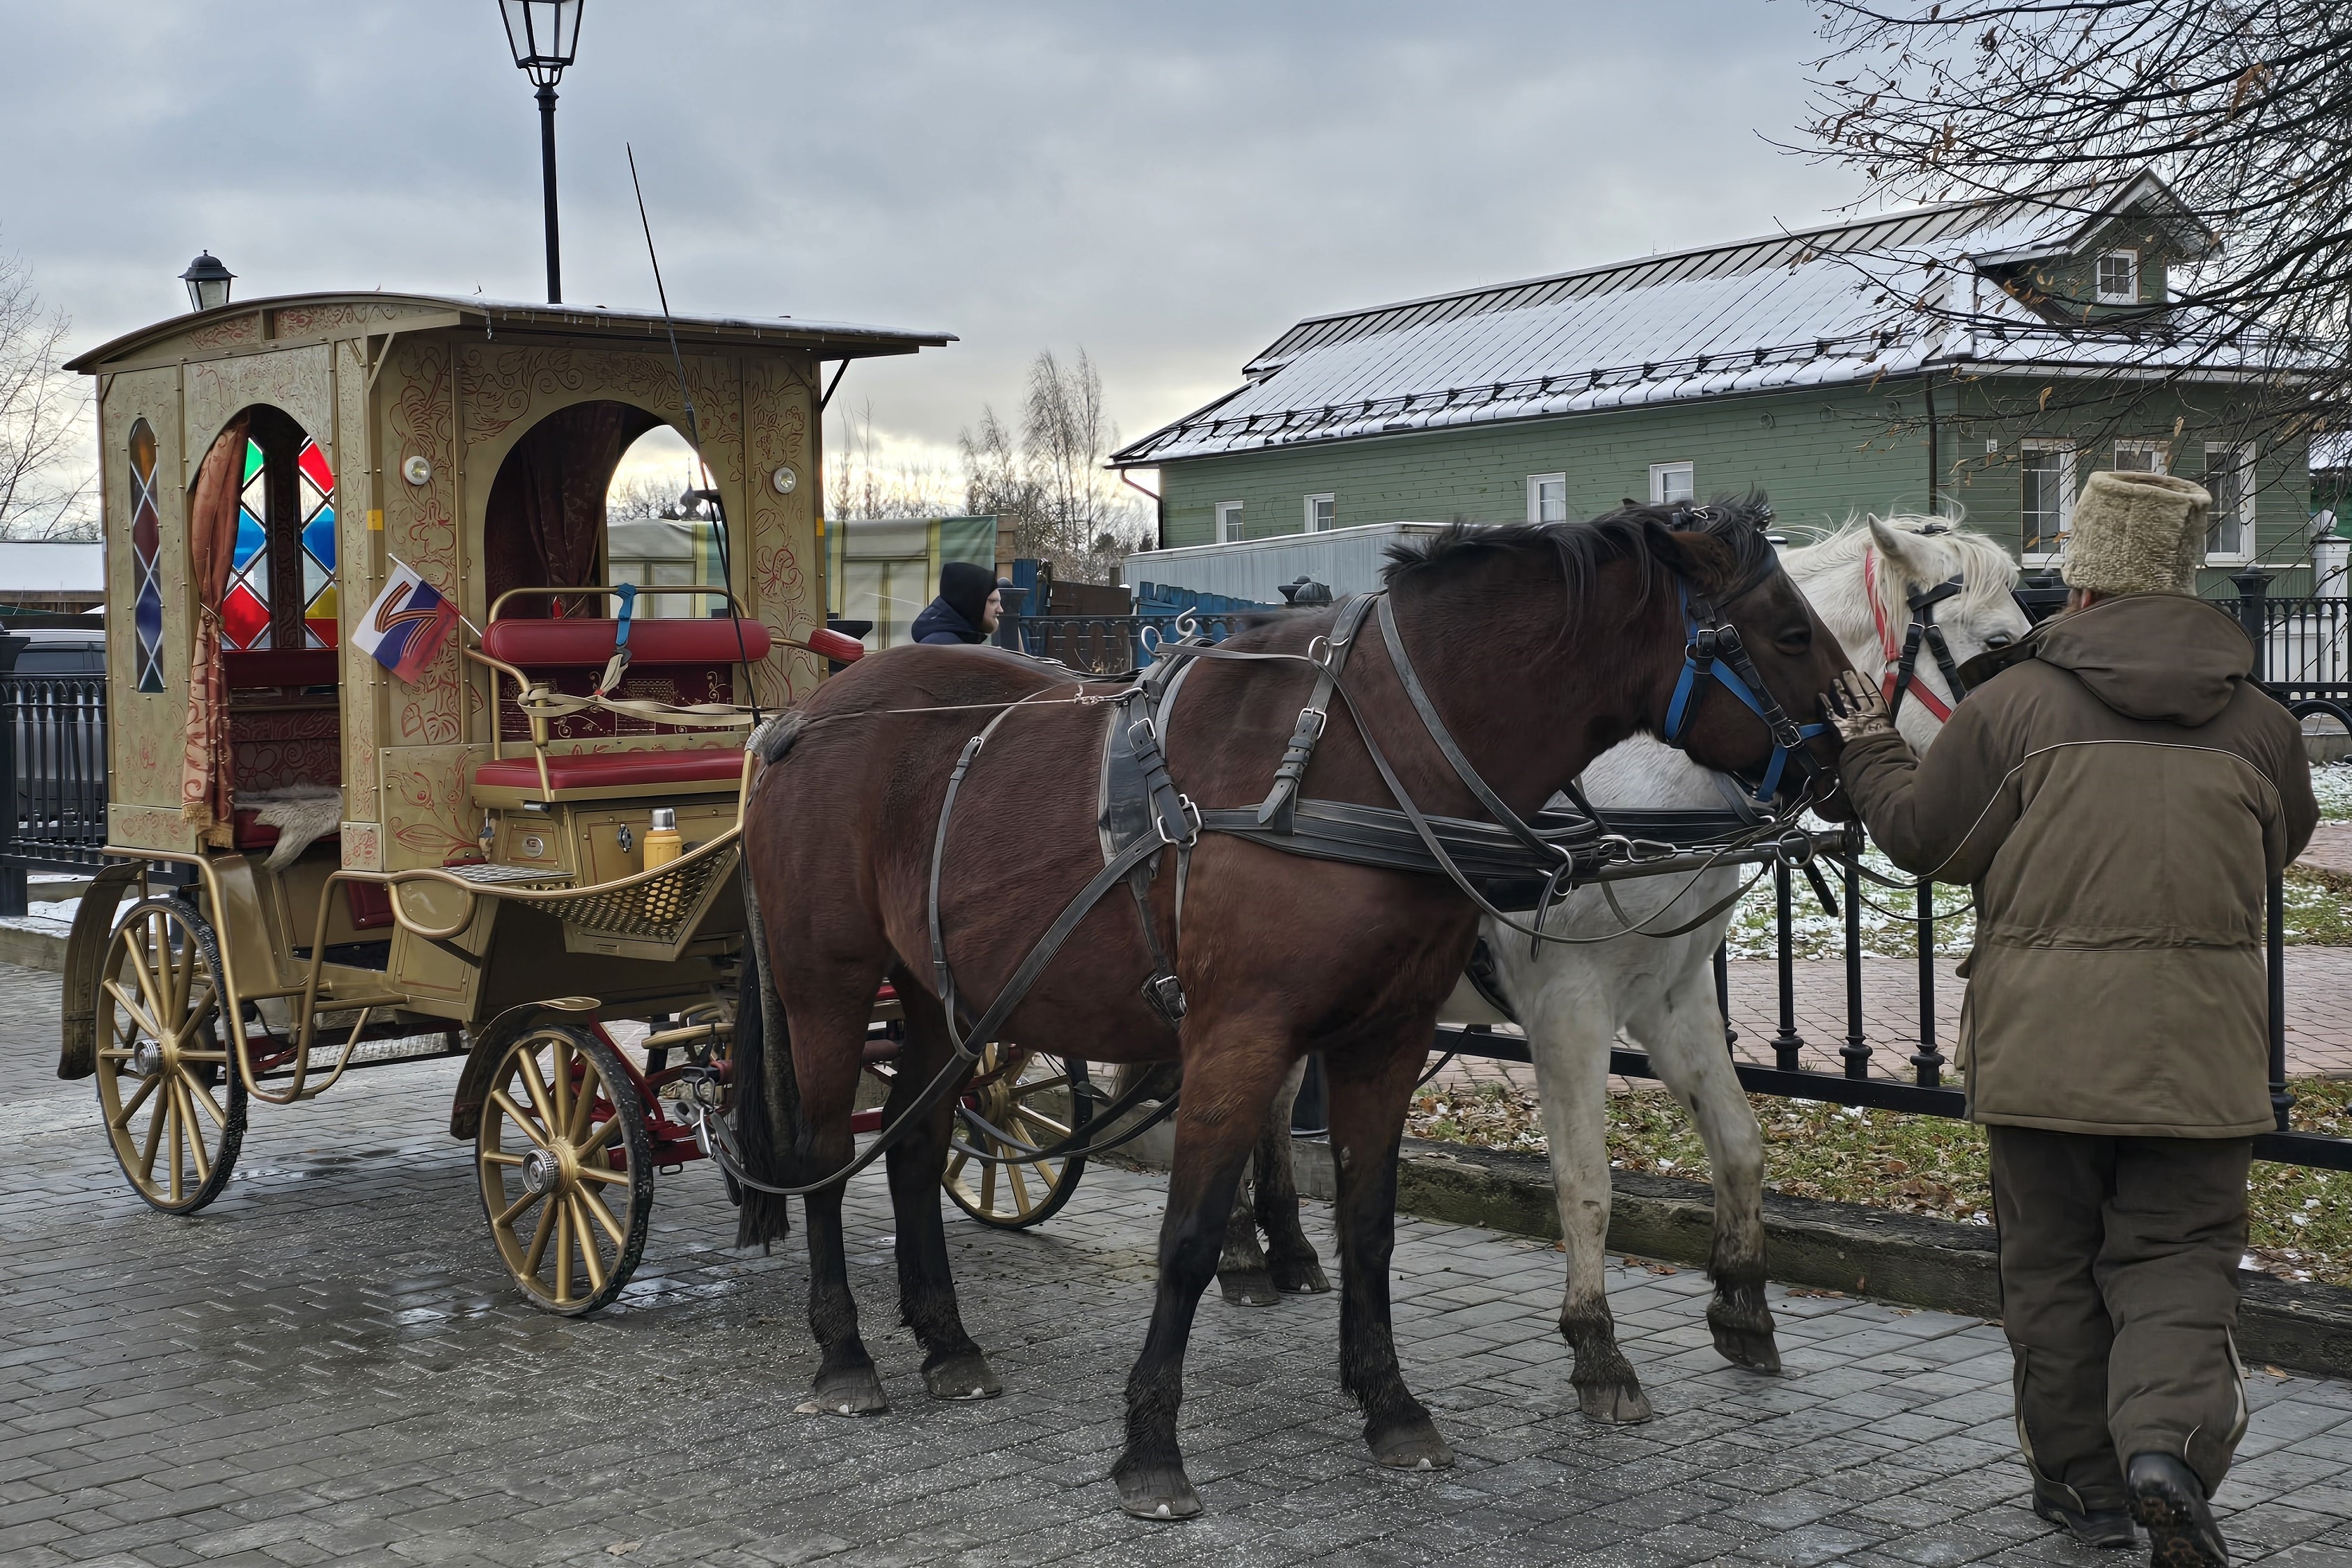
1030, 1098
566, 1164
174, 1108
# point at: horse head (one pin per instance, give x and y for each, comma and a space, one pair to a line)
1745, 695
1876, 579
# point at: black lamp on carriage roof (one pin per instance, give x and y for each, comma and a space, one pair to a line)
544, 35
207, 282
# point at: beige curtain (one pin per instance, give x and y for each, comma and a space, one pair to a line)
206, 788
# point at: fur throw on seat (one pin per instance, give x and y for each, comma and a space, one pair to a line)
302, 814
2136, 533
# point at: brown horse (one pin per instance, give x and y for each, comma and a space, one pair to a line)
1540, 647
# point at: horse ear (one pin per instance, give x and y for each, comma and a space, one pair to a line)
1893, 542
1692, 556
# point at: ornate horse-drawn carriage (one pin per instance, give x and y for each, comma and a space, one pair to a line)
327, 865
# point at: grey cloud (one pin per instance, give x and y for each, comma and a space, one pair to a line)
1169, 186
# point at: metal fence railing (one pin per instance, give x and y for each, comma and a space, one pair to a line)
1907, 1075
53, 752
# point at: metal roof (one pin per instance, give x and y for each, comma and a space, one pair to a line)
1806, 308
830, 340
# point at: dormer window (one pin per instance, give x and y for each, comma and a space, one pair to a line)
2119, 277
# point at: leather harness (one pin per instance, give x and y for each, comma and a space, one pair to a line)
1902, 671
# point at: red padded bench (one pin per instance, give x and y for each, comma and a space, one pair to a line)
584, 644
694, 771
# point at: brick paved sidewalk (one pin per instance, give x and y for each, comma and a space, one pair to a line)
327, 1366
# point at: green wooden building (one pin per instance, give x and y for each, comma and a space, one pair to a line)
1781, 362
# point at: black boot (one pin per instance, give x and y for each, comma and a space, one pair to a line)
2106, 1527
2170, 1501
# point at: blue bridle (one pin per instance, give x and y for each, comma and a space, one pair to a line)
1712, 651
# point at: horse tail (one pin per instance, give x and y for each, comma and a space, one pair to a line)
767, 1093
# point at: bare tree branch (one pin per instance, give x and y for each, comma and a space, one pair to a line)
46, 487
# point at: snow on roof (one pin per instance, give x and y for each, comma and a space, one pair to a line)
1806, 308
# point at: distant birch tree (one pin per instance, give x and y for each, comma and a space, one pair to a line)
45, 491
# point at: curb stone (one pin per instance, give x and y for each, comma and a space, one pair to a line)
1810, 1242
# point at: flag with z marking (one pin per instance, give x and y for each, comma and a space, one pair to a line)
403, 628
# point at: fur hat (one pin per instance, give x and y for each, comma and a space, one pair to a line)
2136, 533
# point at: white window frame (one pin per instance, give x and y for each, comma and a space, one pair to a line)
1231, 520
2066, 451
2240, 456
2161, 450
1662, 472
2098, 281
1314, 503
1536, 483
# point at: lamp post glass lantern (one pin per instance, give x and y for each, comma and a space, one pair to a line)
544, 35
207, 282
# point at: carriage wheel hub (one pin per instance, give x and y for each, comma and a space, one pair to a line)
542, 1171
149, 1057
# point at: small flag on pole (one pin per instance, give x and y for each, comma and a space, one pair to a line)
403, 628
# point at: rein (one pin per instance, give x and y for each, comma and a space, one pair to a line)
1712, 645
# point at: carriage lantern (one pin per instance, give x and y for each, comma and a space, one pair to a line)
207, 282
544, 35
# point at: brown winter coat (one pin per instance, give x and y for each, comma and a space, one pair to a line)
2117, 796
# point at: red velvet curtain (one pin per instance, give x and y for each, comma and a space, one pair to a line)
545, 522
206, 786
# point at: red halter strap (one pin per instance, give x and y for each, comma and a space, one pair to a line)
1891, 676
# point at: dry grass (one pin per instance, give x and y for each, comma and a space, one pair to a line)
2301, 1219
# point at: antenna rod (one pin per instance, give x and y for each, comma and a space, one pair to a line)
694, 436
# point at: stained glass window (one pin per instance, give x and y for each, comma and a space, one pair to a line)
147, 616
281, 558
316, 489
245, 610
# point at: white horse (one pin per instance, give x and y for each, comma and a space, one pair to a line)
1574, 1000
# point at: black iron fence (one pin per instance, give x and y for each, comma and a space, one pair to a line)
1907, 1075
53, 752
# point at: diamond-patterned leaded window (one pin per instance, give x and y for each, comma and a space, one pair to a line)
281, 591
147, 613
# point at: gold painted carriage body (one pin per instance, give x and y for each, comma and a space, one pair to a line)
487, 868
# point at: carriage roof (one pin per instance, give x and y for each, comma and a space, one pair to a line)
287, 320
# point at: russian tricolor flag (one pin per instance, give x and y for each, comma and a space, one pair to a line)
403, 628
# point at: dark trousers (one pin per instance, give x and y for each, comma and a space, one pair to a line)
2119, 1294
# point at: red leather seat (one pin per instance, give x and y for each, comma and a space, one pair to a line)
605, 770
584, 643
251, 833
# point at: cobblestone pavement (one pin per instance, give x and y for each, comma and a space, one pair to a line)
328, 1366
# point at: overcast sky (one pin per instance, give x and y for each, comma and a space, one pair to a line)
1168, 186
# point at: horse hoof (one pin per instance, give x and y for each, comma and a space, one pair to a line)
1158, 1492
1414, 1447
846, 1391
1249, 1288
1752, 1348
963, 1376
1300, 1277
1613, 1403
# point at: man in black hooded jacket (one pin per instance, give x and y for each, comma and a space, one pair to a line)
967, 608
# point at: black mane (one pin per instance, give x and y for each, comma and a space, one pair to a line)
1580, 549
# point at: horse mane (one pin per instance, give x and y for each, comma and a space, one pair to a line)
1579, 550
1978, 560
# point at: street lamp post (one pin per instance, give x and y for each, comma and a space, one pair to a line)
544, 35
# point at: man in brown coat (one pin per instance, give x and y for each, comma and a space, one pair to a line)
2117, 796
